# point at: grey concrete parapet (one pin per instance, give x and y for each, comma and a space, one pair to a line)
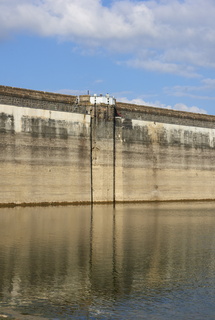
138, 112
36, 95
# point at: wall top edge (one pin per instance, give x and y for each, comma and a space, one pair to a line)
36, 94
85, 100
121, 106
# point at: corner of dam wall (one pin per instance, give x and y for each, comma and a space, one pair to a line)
54, 149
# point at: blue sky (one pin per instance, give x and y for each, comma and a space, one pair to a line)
158, 53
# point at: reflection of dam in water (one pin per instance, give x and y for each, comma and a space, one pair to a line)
73, 256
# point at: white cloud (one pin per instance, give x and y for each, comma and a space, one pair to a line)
163, 67
209, 83
157, 104
183, 107
98, 81
193, 91
170, 36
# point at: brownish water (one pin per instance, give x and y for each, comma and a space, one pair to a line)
150, 261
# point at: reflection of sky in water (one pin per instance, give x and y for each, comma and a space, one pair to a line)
151, 261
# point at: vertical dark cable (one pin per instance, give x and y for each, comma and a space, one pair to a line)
114, 157
91, 159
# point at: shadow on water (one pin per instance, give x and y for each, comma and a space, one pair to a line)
145, 261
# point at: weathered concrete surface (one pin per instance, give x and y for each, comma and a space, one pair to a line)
160, 161
57, 149
102, 161
44, 156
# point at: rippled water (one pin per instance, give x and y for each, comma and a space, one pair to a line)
151, 261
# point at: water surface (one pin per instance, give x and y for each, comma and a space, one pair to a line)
148, 261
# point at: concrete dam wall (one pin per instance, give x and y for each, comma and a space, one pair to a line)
59, 149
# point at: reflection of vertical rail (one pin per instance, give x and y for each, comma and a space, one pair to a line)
114, 272
91, 243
